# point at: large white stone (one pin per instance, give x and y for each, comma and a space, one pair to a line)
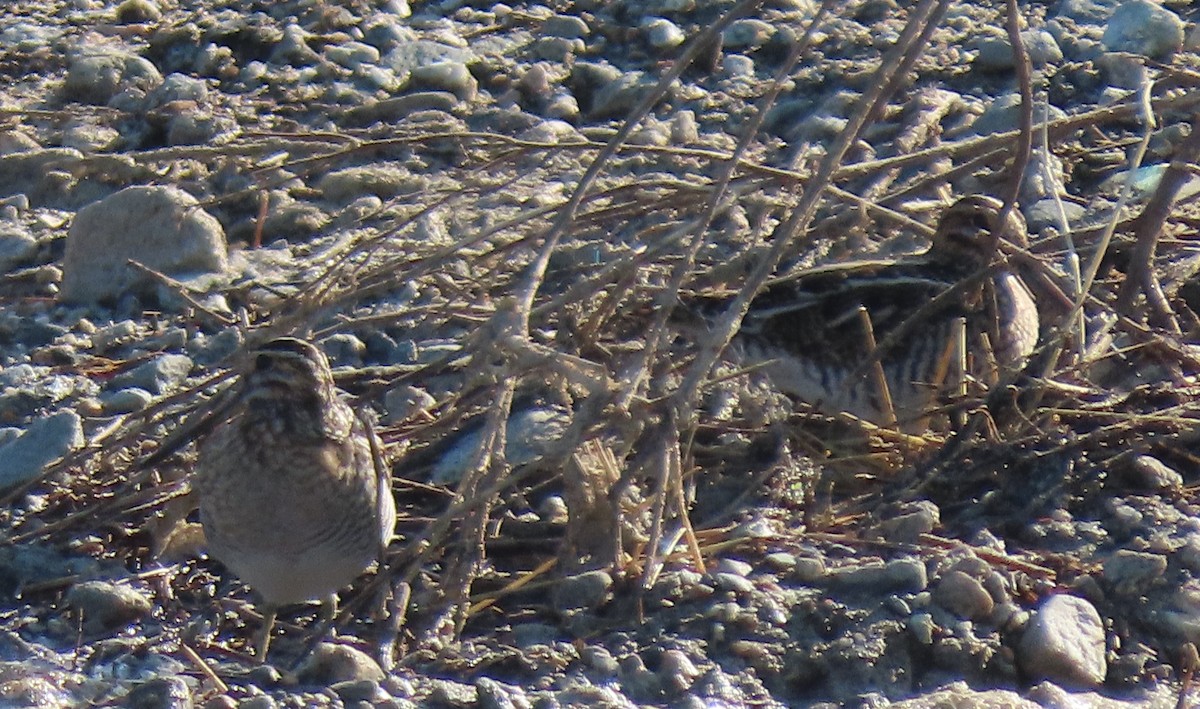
161, 227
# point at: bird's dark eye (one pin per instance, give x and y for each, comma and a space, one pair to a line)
263, 362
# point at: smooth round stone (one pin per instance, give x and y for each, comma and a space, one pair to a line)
661, 33
352, 54
1064, 643
566, 26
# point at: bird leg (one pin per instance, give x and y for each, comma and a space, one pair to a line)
269, 611
328, 612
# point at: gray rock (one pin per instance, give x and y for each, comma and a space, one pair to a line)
781, 560
450, 76
160, 693
896, 576
124, 401
909, 524
97, 74
1150, 473
294, 49
382, 180
14, 141
19, 203
352, 54
1002, 115
530, 434
17, 246
90, 138
1145, 28
385, 33
737, 65
26, 564
409, 56
677, 672
114, 335
405, 401
586, 591
1145, 181
600, 660
138, 11
260, 701
995, 51
662, 34
43, 442
1064, 643
331, 663
553, 509
176, 87
357, 690
734, 566
190, 125
452, 694
617, 98
105, 606
1045, 176
1131, 572
564, 107
491, 694
1091, 12
557, 49
35, 172
921, 627
668, 6
963, 596
159, 376
960, 695
378, 78
566, 26
344, 349
809, 569
747, 33
9, 434
526, 635
734, 583
641, 684
161, 227
1045, 213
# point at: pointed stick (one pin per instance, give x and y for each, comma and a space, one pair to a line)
881, 385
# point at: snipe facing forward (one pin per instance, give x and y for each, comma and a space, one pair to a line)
815, 334
292, 497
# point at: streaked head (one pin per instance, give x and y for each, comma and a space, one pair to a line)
968, 234
289, 367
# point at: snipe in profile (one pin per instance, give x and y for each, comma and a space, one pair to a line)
820, 333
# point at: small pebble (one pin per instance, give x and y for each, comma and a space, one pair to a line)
897, 576
662, 34
106, 606
160, 693
963, 595
586, 591
332, 663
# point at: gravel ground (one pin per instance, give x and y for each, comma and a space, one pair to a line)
382, 176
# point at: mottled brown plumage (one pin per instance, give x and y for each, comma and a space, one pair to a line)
292, 497
809, 333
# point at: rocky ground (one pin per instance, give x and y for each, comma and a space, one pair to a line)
409, 184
